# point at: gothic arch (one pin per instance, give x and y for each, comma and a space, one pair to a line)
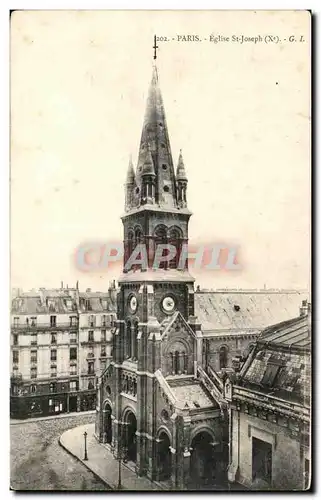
163, 428
107, 421
106, 402
160, 229
177, 356
199, 430
164, 455
129, 437
128, 409
175, 236
171, 345
175, 231
128, 338
138, 234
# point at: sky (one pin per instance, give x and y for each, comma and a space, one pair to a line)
239, 112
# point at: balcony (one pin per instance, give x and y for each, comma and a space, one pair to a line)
44, 326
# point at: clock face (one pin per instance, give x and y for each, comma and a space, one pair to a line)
168, 304
133, 304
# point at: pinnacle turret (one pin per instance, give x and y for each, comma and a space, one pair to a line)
130, 179
180, 172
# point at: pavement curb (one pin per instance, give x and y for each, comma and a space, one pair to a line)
50, 417
86, 465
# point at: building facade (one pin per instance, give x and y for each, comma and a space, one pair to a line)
269, 406
49, 349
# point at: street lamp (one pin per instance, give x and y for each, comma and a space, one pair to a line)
85, 436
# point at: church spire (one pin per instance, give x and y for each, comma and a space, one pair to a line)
129, 185
130, 179
180, 172
155, 136
181, 179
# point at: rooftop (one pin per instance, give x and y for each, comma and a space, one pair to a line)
280, 363
219, 310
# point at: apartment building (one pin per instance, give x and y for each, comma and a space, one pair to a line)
54, 363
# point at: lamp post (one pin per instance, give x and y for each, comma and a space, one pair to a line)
85, 436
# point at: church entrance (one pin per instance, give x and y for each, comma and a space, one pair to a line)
164, 456
108, 430
202, 461
130, 436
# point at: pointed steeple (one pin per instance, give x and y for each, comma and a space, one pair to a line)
129, 185
180, 172
181, 179
130, 179
155, 143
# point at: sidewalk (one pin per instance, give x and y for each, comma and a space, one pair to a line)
14, 421
100, 460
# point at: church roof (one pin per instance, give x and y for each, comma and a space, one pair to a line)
292, 333
245, 310
192, 395
155, 134
280, 363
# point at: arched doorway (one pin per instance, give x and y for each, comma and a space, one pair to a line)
164, 457
202, 460
130, 436
108, 430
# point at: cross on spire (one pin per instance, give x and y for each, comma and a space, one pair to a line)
155, 47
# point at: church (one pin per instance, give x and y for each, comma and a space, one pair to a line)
164, 402
157, 406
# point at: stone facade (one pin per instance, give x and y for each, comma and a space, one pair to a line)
55, 353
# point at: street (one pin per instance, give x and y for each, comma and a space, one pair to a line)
38, 462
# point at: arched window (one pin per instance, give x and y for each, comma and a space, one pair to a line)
139, 238
223, 357
161, 239
128, 346
176, 362
175, 240
130, 245
185, 362
135, 342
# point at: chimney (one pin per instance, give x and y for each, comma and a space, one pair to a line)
77, 285
88, 290
61, 285
305, 308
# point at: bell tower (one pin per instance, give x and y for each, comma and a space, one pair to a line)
155, 284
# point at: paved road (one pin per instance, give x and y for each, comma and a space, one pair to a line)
39, 463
